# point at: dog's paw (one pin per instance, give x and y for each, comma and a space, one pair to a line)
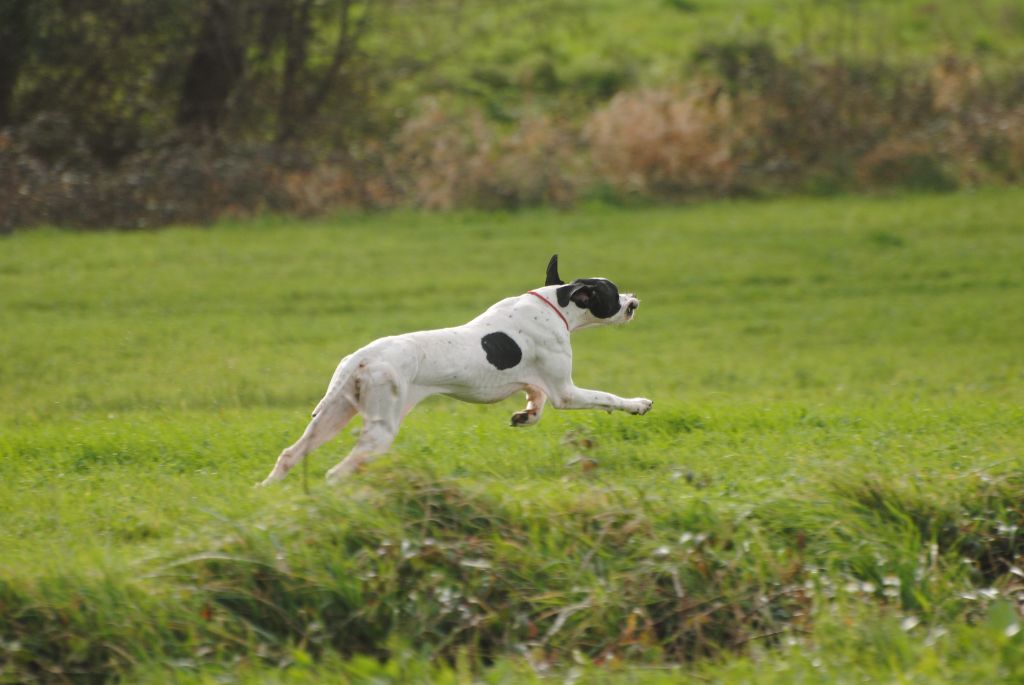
524, 418
639, 406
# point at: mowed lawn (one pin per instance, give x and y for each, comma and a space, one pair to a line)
809, 359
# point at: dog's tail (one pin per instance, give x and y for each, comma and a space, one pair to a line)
342, 374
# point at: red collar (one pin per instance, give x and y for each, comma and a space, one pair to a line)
553, 307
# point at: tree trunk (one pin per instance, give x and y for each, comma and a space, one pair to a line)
297, 36
215, 68
15, 34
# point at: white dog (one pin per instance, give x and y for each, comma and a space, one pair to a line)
520, 343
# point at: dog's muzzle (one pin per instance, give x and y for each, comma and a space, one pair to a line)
631, 307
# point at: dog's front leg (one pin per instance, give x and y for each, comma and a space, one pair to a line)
535, 399
571, 397
556, 370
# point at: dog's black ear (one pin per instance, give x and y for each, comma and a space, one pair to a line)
582, 296
552, 275
599, 295
568, 293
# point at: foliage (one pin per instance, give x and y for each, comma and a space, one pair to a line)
128, 75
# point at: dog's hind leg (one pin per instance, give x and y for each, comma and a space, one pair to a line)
330, 416
382, 403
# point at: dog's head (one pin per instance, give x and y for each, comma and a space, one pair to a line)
599, 298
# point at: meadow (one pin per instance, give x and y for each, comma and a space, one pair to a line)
653, 41
828, 488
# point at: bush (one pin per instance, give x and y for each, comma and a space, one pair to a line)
749, 122
663, 144
910, 163
440, 161
173, 184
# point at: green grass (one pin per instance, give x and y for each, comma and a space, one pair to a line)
828, 486
591, 48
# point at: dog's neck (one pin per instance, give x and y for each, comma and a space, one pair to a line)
554, 307
572, 316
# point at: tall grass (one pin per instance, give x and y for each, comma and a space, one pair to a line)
603, 575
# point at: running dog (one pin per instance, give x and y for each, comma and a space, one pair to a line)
519, 344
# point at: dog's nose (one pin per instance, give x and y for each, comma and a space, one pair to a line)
631, 306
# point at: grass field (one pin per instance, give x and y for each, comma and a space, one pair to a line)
658, 38
828, 488
597, 44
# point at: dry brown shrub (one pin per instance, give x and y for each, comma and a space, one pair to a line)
430, 164
911, 161
953, 81
313, 191
971, 146
537, 163
662, 142
442, 161
998, 145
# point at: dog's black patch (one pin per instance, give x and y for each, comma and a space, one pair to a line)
502, 351
599, 295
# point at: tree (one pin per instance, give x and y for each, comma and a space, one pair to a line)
15, 33
308, 31
215, 68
